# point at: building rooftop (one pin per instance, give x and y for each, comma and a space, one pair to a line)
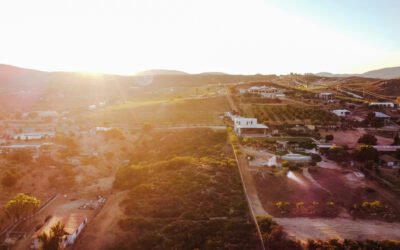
258, 125
381, 115
71, 224
388, 158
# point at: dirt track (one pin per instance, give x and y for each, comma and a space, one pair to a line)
321, 228
103, 225
339, 228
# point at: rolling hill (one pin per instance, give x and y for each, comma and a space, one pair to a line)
384, 73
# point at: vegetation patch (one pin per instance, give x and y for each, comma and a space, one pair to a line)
188, 196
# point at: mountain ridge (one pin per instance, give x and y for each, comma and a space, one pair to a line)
383, 73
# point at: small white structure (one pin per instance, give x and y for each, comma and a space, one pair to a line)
382, 104
325, 95
296, 157
244, 125
264, 91
41, 114
386, 148
389, 161
270, 162
102, 129
341, 112
73, 226
34, 135
381, 115
92, 107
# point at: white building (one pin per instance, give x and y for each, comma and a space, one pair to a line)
264, 91
244, 125
296, 157
73, 226
41, 114
341, 112
34, 135
381, 115
325, 95
382, 104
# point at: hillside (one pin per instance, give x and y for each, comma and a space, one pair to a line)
160, 72
384, 73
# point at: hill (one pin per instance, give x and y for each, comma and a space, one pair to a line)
160, 72
384, 73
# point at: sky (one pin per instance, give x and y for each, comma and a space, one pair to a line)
232, 36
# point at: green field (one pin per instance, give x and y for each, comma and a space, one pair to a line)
162, 112
279, 114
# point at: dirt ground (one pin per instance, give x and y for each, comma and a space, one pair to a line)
273, 188
260, 158
350, 137
348, 187
339, 228
329, 182
104, 225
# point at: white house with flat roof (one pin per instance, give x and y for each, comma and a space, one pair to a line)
41, 114
381, 115
382, 104
296, 157
341, 112
34, 135
243, 125
325, 95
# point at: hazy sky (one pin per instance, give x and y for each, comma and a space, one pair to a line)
247, 36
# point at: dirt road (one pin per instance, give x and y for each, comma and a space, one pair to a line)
104, 225
339, 228
255, 202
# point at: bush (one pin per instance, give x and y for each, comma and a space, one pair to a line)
366, 154
368, 139
329, 138
9, 179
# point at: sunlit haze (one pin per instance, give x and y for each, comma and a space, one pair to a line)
238, 37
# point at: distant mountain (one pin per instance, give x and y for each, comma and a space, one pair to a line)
328, 74
161, 72
385, 73
213, 73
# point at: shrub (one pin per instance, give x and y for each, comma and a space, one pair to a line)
9, 179
368, 139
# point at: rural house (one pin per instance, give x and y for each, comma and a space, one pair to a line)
73, 226
341, 112
244, 126
325, 96
389, 161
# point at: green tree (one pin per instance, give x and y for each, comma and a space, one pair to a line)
368, 139
114, 133
396, 140
53, 239
22, 205
23, 156
397, 154
366, 153
9, 179
147, 128
328, 137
